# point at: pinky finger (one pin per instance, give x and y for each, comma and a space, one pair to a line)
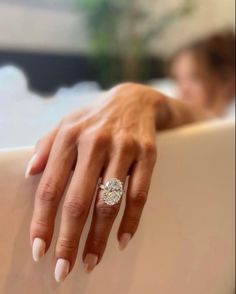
136, 198
42, 151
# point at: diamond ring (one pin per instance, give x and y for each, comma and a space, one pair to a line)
112, 191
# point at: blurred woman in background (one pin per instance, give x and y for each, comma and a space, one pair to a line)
205, 73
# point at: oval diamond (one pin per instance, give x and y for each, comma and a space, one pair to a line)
112, 191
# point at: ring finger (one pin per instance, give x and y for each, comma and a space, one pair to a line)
104, 214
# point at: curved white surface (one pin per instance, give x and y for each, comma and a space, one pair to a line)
185, 242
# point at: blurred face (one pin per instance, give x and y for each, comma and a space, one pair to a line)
190, 78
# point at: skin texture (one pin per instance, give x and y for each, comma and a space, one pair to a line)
114, 138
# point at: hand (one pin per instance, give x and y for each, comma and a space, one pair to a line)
115, 138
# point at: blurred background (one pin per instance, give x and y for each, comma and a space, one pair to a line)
62, 42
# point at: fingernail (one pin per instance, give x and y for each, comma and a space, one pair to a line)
62, 269
90, 262
38, 249
124, 240
29, 166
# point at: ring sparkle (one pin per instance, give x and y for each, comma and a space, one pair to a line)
112, 191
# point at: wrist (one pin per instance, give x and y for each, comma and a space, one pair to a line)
162, 110
160, 105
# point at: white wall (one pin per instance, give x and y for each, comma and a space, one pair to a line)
39, 27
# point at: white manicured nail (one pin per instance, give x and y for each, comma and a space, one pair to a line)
62, 269
38, 249
124, 240
90, 262
29, 166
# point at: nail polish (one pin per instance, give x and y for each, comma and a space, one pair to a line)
62, 269
29, 166
90, 262
38, 249
124, 240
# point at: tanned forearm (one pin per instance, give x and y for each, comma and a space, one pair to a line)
172, 113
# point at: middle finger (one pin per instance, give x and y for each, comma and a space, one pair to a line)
76, 207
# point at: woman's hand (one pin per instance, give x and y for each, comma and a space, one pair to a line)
115, 138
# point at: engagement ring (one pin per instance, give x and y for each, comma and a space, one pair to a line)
112, 191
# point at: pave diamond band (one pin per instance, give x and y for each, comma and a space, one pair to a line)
112, 191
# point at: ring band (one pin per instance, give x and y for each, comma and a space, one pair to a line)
112, 191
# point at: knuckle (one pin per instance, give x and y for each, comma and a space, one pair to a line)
48, 192
127, 144
101, 140
65, 244
131, 223
75, 209
107, 212
68, 134
97, 243
149, 149
38, 223
139, 199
